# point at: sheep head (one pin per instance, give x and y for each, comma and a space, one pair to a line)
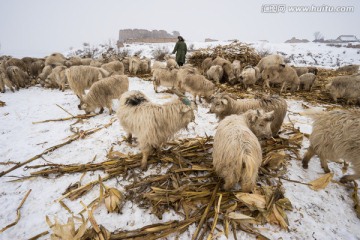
259, 122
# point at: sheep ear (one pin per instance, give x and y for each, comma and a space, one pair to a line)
252, 118
269, 116
185, 109
224, 101
258, 112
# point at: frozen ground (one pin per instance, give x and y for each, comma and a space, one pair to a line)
326, 214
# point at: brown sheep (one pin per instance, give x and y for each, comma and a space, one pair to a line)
18, 77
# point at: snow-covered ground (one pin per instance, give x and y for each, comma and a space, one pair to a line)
324, 214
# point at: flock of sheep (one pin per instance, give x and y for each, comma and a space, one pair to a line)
237, 151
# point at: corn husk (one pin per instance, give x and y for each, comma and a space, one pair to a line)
114, 200
321, 182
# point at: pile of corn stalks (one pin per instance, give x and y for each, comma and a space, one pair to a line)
191, 188
234, 51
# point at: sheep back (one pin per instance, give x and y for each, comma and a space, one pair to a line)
237, 153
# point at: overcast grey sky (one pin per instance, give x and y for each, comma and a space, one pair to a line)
29, 27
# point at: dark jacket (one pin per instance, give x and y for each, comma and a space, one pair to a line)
180, 49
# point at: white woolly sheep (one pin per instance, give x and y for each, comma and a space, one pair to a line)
248, 76
134, 65
170, 62
215, 73
271, 61
165, 77
206, 64
236, 66
184, 71
237, 152
73, 61
96, 63
5, 81
307, 81
287, 77
197, 85
228, 75
153, 124
335, 136
300, 70
86, 61
102, 93
55, 59
126, 63
57, 78
145, 66
347, 87
82, 77
223, 105
114, 67
158, 64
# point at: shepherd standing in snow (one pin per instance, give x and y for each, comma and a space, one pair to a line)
180, 49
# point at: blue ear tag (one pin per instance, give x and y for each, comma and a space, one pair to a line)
186, 101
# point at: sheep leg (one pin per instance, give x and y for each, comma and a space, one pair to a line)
283, 87
146, 152
324, 164
308, 155
109, 106
356, 166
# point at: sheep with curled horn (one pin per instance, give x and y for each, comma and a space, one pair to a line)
223, 105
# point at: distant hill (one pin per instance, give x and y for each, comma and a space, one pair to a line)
296, 40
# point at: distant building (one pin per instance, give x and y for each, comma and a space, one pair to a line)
210, 40
145, 36
346, 39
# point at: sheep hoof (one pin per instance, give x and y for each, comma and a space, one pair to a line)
346, 178
101, 110
326, 170
143, 166
305, 166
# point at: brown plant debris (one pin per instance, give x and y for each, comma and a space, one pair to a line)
191, 188
17, 212
233, 51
